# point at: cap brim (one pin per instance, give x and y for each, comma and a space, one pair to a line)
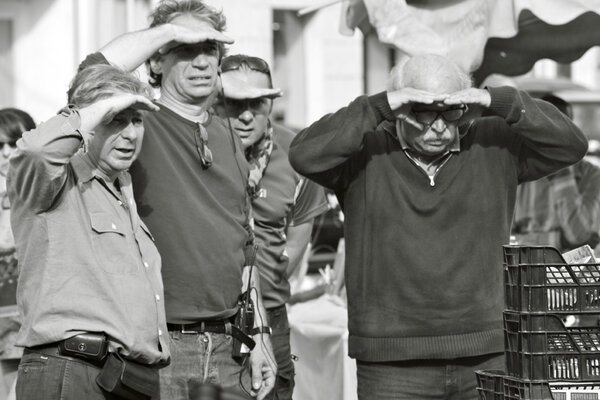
241, 90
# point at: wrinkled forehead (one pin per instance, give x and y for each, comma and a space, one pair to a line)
129, 113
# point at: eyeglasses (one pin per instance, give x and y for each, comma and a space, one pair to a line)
201, 140
209, 47
428, 117
12, 143
231, 63
236, 107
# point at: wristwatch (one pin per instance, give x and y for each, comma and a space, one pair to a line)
261, 329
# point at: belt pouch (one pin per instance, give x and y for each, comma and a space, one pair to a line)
128, 379
92, 346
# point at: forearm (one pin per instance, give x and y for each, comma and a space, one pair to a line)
298, 238
260, 314
550, 140
320, 151
38, 165
262, 361
132, 49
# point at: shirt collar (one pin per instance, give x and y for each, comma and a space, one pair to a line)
85, 170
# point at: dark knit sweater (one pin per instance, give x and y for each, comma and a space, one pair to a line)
424, 263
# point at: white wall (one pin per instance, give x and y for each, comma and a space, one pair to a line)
330, 64
42, 53
585, 71
52, 36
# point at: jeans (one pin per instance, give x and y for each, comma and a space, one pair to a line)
424, 379
198, 358
280, 339
44, 377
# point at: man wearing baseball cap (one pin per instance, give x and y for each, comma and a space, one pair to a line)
284, 203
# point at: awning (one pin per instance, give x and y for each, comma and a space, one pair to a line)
483, 36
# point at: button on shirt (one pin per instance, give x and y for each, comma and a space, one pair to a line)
87, 261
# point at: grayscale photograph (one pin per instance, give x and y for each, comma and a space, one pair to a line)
300, 199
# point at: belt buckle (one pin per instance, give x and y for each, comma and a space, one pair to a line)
189, 332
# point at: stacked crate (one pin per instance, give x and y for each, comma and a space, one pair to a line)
544, 358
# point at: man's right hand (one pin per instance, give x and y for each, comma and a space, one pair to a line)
186, 35
103, 111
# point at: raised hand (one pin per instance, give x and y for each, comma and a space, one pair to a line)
237, 89
471, 96
190, 35
402, 100
103, 111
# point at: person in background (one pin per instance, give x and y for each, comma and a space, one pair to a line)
428, 188
89, 276
13, 122
562, 209
191, 179
284, 204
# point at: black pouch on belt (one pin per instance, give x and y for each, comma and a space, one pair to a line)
128, 379
91, 346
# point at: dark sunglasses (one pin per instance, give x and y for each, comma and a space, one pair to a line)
12, 143
231, 63
201, 140
428, 117
192, 50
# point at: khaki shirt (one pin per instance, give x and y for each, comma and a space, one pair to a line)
87, 261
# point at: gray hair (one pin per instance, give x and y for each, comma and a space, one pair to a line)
401, 73
100, 81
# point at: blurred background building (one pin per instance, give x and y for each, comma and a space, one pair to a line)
318, 68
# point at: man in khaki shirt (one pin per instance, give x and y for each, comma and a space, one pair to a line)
90, 290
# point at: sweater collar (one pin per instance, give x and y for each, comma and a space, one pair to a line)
393, 128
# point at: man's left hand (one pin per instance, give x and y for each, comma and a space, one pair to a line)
471, 96
263, 367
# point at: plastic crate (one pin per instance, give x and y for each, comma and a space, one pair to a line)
537, 279
516, 389
494, 385
540, 347
490, 384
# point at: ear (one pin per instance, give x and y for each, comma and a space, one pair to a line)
156, 64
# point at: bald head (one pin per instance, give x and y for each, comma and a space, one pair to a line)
431, 73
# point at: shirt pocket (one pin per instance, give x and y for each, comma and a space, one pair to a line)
111, 244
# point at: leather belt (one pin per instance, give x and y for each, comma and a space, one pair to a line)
213, 326
218, 326
53, 351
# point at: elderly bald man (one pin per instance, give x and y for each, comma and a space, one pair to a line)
426, 174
